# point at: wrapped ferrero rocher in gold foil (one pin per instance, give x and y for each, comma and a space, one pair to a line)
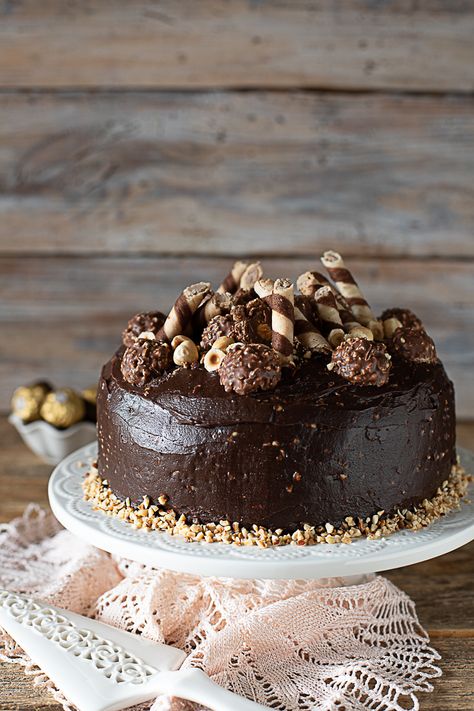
90, 400
63, 408
27, 401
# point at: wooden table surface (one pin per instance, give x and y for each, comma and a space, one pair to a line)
442, 590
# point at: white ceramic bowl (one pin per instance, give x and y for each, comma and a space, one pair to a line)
51, 444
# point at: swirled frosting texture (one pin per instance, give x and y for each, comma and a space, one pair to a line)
314, 450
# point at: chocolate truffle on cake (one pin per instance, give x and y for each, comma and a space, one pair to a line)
361, 362
260, 316
245, 323
150, 322
217, 327
413, 344
144, 360
406, 317
249, 368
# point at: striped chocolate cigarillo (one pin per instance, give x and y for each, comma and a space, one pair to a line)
349, 324
232, 281
329, 315
310, 282
335, 315
390, 325
252, 273
327, 308
182, 312
377, 329
280, 297
307, 306
348, 287
264, 288
283, 318
214, 305
308, 335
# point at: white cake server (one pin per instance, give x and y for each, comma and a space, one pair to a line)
101, 668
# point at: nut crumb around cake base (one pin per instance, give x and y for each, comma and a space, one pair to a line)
153, 517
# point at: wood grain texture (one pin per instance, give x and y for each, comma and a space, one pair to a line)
62, 317
226, 173
180, 43
441, 589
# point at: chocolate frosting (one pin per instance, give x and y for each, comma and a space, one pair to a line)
315, 449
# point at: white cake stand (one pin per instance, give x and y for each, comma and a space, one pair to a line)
159, 549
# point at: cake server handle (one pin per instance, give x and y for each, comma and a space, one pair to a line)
102, 668
194, 685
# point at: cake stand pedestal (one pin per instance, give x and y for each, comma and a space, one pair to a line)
349, 563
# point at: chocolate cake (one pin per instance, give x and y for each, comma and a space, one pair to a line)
296, 417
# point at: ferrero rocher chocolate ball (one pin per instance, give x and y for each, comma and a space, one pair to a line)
260, 315
244, 326
218, 326
27, 400
90, 400
250, 367
249, 323
63, 408
90, 395
413, 344
144, 360
406, 317
149, 321
361, 362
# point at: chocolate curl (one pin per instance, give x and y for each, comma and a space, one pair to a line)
308, 335
347, 286
232, 281
215, 305
182, 312
252, 274
280, 297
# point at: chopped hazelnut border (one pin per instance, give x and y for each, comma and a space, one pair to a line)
152, 517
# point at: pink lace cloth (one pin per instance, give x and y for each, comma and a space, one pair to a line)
290, 645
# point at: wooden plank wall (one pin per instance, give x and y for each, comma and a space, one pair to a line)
145, 144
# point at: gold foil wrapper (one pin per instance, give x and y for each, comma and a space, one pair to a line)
90, 395
63, 408
27, 401
90, 400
